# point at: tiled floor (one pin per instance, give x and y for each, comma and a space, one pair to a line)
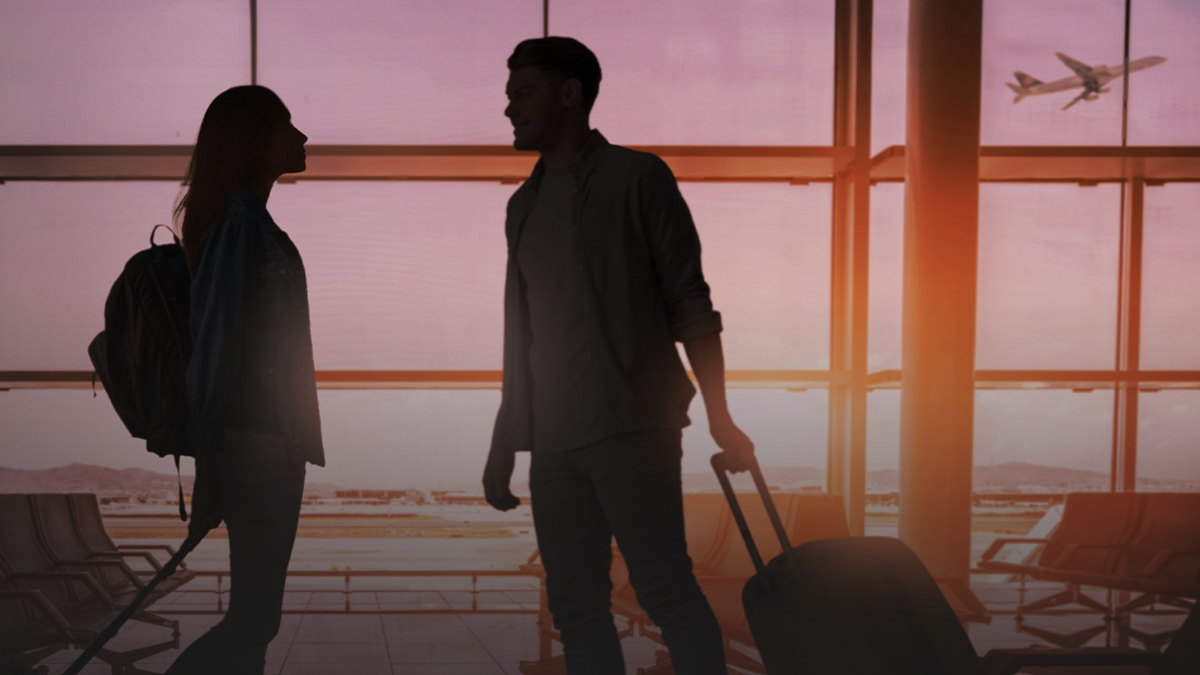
319, 636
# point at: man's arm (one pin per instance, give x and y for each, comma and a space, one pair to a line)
497, 476
676, 250
708, 362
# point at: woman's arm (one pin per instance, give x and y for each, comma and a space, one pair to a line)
219, 289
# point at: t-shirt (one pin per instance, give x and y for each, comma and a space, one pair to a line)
566, 348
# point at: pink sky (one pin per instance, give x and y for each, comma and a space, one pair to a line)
407, 275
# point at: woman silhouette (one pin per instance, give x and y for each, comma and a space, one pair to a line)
251, 382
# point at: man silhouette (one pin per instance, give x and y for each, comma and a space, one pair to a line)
603, 279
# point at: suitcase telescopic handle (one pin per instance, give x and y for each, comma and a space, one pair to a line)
723, 464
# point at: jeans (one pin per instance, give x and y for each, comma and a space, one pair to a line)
260, 489
627, 486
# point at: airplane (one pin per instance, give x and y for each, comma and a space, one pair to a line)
1091, 78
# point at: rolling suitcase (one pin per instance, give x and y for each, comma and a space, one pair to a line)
846, 606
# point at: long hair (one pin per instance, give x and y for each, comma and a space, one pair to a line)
230, 149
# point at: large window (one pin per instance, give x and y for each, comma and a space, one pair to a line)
887, 277
134, 72
1161, 112
409, 275
1025, 36
402, 276
766, 258
1168, 425
378, 72
61, 247
788, 429
889, 74
1171, 279
1069, 431
729, 73
1047, 286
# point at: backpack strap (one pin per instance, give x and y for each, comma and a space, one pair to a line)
182, 508
158, 254
168, 228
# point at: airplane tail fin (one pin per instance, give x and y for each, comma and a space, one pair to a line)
1026, 79
1020, 93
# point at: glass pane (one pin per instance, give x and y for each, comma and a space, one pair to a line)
413, 276
889, 74
1043, 441
405, 276
1171, 278
397, 439
1162, 109
1168, 425
401, 275
886, 279
731, 73
788, 429
883, 463
1025, 441
41, 429
1024, 36
1048, 263
61, 247
134, 72
376, 71
766, 258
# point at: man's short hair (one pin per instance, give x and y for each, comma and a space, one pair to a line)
562, 56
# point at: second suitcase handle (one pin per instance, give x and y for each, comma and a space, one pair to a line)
722, 464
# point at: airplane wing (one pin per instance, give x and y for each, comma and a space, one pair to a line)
1082, 69
1077, 99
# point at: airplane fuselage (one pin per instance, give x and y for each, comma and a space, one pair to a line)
1091, 78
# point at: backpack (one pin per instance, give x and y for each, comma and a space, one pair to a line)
141, 356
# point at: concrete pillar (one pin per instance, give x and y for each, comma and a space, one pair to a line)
941, 231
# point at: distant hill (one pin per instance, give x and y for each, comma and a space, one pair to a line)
107, 482
1010, 477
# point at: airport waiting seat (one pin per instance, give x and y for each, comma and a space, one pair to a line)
1181, 657
1095, 528
85, 512
25, 564
56, 532
43, 607
1146, 543
59, 534
30, 628
1152, 544
1164, 556
1161, 564
70, 585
